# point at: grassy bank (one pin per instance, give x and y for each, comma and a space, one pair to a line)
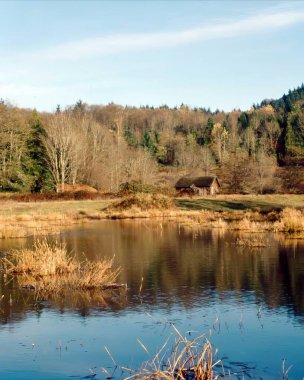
245, 212
20, 219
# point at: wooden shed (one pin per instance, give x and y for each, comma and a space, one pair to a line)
199, 185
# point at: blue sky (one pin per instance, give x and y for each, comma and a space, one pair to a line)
217, 54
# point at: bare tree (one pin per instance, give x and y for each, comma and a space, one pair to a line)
219, 137
263, 170
235, 172
60, 143
207, 162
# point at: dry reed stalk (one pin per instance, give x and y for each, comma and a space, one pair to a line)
43, 260
49, 268
189, 359
291, 220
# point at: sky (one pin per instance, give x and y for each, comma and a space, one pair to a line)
218, 54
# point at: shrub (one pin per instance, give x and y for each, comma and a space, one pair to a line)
144, 201
133, 187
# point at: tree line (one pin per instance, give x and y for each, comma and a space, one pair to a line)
106, 146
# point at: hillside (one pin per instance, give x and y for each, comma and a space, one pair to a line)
259, 150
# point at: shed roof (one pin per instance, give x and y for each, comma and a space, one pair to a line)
185, 182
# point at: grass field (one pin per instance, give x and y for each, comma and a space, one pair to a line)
43, 209
20, 219
265, 203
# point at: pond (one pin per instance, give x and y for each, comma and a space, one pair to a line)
248, 301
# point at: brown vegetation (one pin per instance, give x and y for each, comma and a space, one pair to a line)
143, 202
289, 221
75, 188
190, 359
247, 213
105, 146
48, 267
52, 196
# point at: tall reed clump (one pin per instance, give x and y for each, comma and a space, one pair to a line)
190, 359
44, 259
49, 267
291, 220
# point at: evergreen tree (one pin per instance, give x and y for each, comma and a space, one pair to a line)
243, 120
37, 166
148, 143
130, 138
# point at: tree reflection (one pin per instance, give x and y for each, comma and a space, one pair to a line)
179, 267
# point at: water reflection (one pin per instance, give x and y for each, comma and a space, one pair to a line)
250, 300
181, 267
178, 267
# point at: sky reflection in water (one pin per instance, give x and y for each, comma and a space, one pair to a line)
250, 303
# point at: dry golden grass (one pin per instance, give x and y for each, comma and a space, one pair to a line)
18, 219
44, 259
48, 267
291, 221
189, 359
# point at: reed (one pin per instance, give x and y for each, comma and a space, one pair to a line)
189, 359
48, 267
44, 259
291, 221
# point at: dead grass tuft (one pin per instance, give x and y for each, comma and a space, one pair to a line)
291, 221
48, 267
44, 259
189, 359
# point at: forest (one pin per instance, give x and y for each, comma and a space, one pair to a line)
260, 150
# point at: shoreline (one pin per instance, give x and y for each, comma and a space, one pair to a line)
25, 219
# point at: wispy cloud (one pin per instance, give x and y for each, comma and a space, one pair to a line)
120, 43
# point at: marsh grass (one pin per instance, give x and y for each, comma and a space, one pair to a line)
48, 267
187, 360
291, 221
44, 259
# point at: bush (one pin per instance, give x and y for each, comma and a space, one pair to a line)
134, 187
145, 201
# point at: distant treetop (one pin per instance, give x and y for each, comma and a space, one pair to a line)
286, 101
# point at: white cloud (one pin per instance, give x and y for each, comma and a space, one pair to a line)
114, 44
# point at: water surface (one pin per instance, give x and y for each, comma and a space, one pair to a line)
249, 302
